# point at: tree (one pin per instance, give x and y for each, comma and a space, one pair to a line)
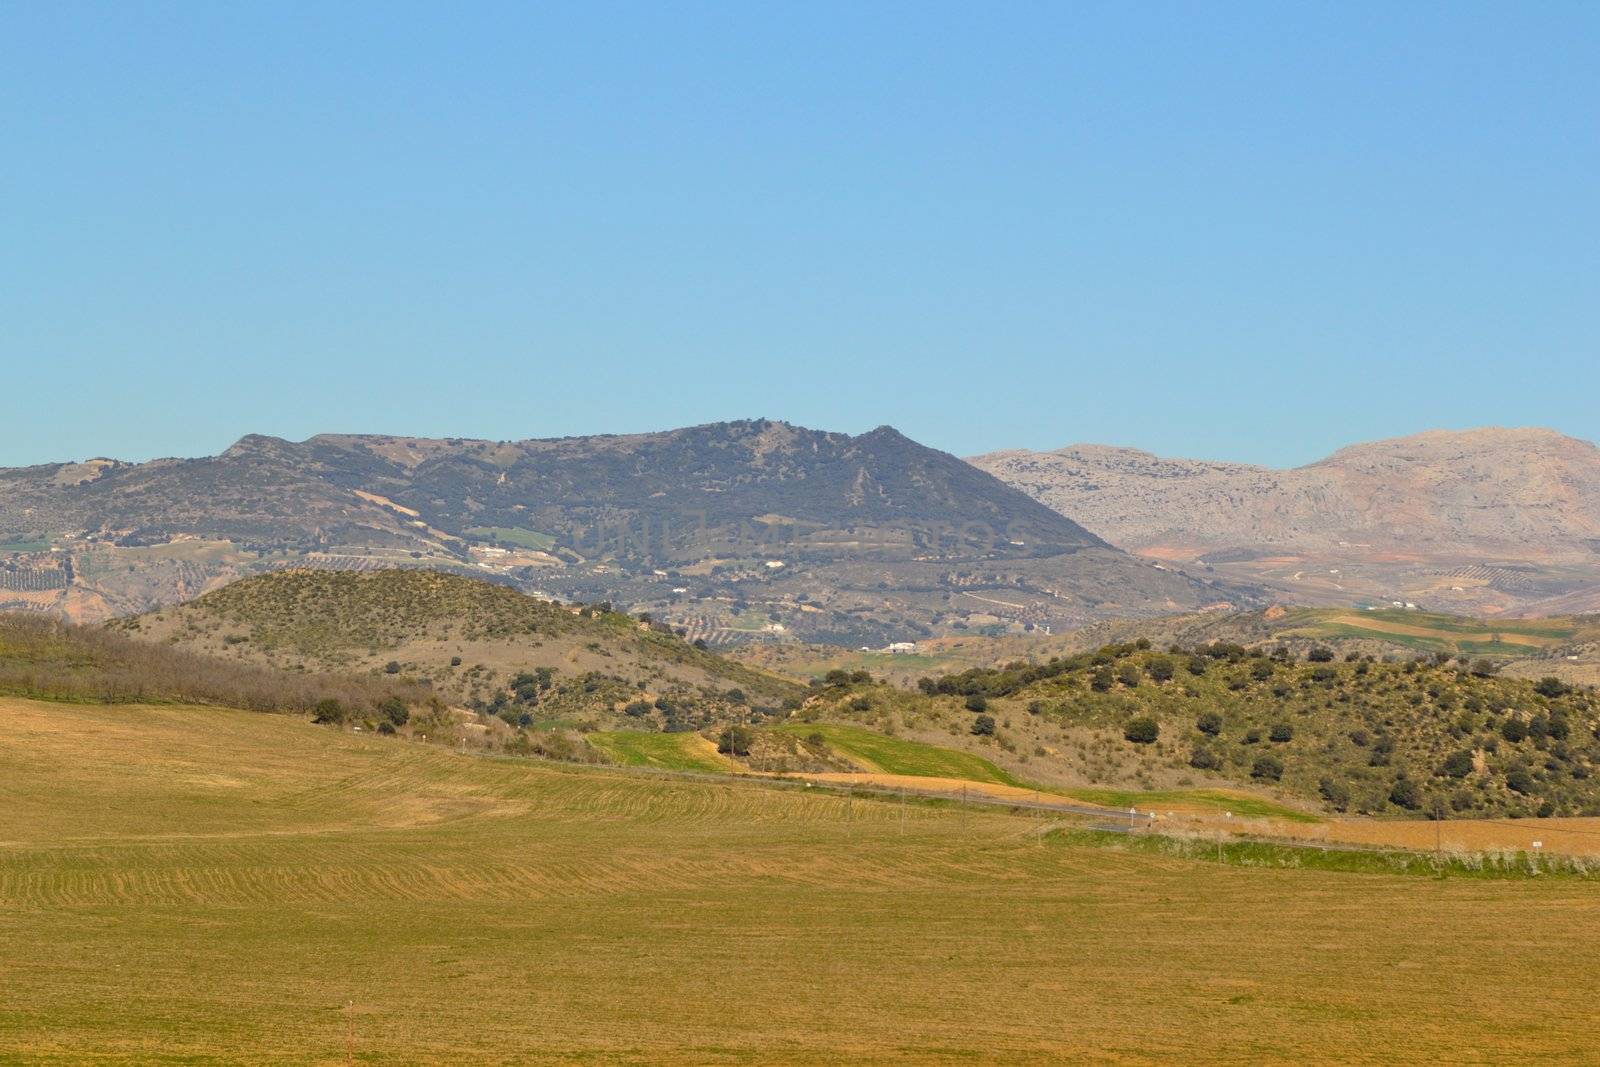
1550, 687
735, 741
1209, 723
328, 711
1268, 768
983, 726
393, 710
1406, 793
1141, 731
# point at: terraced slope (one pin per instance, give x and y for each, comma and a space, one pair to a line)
246, 888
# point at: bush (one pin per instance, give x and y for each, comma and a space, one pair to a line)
1209, 723
1197, 665
977, 702
392, 667
1518, 780
328, 710
1267, 768
1514, 730
1457, 764
1160, 669
983, 726
1550, 687
394, 711
1320, 655
1406, 793
1129, 675
1102, 680
1337, 794
735, 741
1204, 759
1282, 733
1141, 731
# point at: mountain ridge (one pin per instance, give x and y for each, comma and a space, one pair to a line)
1522, 499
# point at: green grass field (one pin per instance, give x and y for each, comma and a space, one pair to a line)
515, 535
8, 547
184, 885
896, 755
671, 752
1433, 632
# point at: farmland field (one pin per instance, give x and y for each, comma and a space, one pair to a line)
201, 885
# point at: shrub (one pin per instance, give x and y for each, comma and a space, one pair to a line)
392, 667
1457, 764
1141, 731
1282, 733
1204, 759
1319, 654
1406, 793
1209, 723
1267, 768
328, 710
1550, 687
977, 702
1197, 665
983, 726
1129, 675
455, 661
1518, 780
1102, 680
1160, 669
394, 711
1514, 730
1337, 794
735, 741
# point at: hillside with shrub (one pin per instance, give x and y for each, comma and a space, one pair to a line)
1437, 736
47, 659
476, 644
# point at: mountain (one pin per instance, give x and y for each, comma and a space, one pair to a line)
1485, 521
733, 531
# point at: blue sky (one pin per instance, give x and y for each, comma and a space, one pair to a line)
1244, 231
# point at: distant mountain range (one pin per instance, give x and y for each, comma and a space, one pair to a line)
1481, 521
733, 531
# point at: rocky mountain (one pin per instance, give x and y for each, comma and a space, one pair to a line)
734, 531
1479, 520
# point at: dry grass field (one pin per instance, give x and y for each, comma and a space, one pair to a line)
183, 885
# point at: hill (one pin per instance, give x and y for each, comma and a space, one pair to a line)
1473, 522
251, 888
471, 642
1436, 736
737, 531
52, 660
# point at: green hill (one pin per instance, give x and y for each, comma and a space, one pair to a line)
475, 643
1433, 736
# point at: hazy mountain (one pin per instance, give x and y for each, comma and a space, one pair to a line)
1487, 519
731, 529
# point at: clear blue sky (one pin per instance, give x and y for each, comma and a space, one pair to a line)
1246, 231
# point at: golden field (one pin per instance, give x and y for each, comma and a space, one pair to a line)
200, 885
